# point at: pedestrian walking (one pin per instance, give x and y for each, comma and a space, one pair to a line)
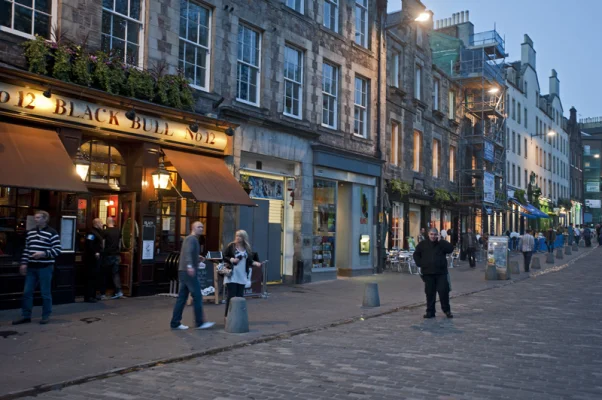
190, 261
577, 235
42, 246
469, 245
240, 258
571, 233
430, 257
587, 236
550, 239
92, 260
111, 260
527, 245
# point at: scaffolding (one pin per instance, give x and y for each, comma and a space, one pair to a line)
482, 159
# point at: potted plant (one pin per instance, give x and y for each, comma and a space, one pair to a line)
140, 84
403, 188
37, 54
245, 183
442, 196
82, 66
62, 63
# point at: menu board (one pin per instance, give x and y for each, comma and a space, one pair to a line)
497, 252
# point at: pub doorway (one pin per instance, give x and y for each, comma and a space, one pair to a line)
122, 208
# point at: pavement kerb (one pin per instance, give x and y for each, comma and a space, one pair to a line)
33, 391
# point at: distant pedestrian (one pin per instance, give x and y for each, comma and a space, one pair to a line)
527, 245
550, 239
93, 260
430, 257
190, 261
111, 260
422, 235
587, 236
241, 258
469, 245
42, 246
571, 233
577, 235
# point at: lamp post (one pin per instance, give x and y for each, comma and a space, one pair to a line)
161, 176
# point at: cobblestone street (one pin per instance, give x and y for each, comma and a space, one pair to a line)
537, 339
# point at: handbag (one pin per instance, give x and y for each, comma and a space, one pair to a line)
224, 270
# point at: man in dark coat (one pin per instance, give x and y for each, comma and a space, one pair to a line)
469, 245
430, 256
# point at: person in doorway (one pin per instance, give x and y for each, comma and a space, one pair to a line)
240, 257
469, 245
190, 261
430, 257
93, 260
550, 239
422, 235
42, 246
527, 245
111, 260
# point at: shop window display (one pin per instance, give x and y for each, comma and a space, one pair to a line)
325, 206
16, 216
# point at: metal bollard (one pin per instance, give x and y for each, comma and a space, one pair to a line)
559, 254
535, 263
549, 258
371, 298
238, 318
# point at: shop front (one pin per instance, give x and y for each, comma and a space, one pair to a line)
344, 225
85, 154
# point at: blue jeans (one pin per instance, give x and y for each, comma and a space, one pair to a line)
44, 277
188, 285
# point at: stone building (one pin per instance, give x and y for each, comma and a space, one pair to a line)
422, 131
286, 103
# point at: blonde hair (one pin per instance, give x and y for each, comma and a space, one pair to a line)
245, 240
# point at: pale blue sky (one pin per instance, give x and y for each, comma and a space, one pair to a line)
567, 36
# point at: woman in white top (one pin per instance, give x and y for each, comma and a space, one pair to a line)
239, 256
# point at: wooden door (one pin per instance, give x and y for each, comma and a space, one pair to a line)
129, 233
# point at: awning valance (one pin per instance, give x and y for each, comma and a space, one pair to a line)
209, 178
36, 158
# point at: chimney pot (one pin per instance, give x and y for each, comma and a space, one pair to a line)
467, 18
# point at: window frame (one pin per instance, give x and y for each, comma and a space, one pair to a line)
335, 78
301, 59
198, 45
436, 149
362, 107
334, 4
395, 143
452, 163
417, 155
395, 69
363, 5
12, 30
418, 82
451, 100
436, 93
141, 31
240, 63
301, 9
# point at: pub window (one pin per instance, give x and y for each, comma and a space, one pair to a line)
28, 17
122, 28
195, 32
16, 216
106, 163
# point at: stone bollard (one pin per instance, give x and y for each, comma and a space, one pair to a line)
514, 268
567, 251
491, 273
371, 298
503, 274
238, 318
549, 258
575, 247
559, 253
535, 263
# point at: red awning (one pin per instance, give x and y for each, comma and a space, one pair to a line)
36, 158
209, 178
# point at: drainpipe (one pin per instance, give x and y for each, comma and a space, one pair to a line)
382, 7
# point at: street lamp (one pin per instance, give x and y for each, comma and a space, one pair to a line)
161, 176
82, 165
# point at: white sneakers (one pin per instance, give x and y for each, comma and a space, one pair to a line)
180, 328
117, 295
206, 325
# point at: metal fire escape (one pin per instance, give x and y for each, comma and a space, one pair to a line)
482, 182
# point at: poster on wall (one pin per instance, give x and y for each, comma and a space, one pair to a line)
263, 188
593, 203
364, 207
488, 188
489, 152
592, 187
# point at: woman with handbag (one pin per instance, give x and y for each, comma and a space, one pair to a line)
239, 258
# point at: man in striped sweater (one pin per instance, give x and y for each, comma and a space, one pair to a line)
42, 246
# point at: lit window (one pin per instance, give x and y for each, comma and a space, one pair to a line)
331, 14
122, 28
247, 78
417, 151
395, 143
195, 33
329, 95
452, 163
361, 22
360, 125
293, 81
28, 17
436, 157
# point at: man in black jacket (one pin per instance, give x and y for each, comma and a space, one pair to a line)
430, 256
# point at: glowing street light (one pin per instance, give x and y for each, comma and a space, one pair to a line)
423, 17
